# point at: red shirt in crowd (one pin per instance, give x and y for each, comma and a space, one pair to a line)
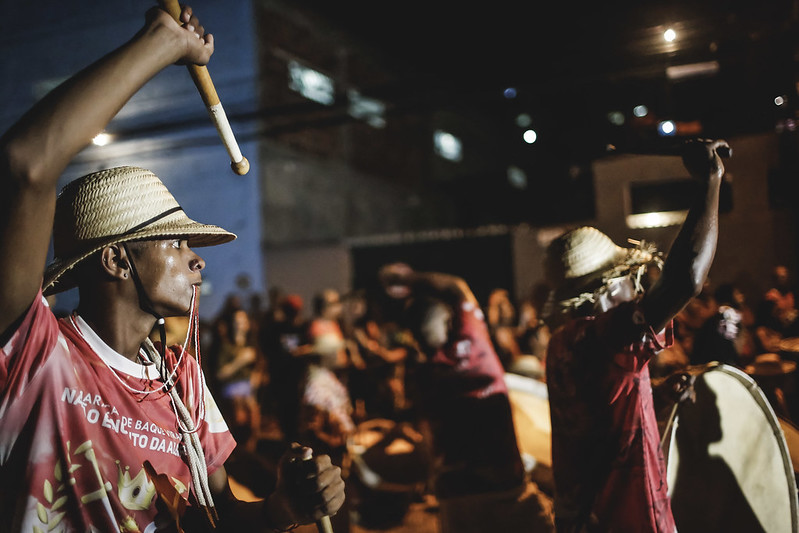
609, 471
466, 401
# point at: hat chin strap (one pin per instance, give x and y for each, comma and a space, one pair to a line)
145, 303
194, 455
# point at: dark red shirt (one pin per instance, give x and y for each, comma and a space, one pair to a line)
609, 471
466, 401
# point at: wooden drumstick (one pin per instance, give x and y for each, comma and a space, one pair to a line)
205, 86
670, 422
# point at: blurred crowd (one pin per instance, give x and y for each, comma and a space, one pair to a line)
262, 361
339, 374
760, 337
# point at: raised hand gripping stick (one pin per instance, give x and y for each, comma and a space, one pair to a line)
205, 86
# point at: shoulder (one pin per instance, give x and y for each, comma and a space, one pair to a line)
36, 325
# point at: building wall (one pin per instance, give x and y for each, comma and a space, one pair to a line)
306, 270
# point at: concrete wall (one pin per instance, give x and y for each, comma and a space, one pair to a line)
305, 270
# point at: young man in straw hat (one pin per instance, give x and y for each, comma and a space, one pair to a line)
608, 468
99, 429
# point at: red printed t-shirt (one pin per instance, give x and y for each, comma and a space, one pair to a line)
466, 399
73, 438
608, 468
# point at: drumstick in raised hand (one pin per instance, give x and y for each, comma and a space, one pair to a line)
202, 79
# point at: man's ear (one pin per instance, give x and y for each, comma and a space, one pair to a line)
114, 261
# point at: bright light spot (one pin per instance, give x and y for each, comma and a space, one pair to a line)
311, 84
667, 128
660, 219
530, 136
669, 35
101, 139
447, 145
616, 118
517, 177
524, 120
509, 93
640, 111
780, 100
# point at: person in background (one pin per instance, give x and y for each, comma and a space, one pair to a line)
479, 479
325, 410
280, 336
501, 320
777, 316
101, 429
724, 336
608, 468
533, 333
238, 366
532, 337
378, 388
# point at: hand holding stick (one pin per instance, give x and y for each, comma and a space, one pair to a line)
202, 79
323, 525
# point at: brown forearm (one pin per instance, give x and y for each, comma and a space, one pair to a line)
35, 151
689, 259
46, 138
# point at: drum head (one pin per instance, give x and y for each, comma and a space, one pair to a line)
728, 465
530, 407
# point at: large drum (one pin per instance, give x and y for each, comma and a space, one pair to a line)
729, 466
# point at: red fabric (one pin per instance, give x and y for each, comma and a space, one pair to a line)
470, 356
73, 439
609, 470
466, 400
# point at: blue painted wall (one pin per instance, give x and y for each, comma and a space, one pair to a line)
164, 127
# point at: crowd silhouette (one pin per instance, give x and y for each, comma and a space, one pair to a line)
342, 376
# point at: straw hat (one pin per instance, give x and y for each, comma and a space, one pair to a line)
112, 206
583, 259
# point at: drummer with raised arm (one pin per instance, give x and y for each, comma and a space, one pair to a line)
607, 323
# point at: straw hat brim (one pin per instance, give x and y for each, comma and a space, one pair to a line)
619, 264
59, 275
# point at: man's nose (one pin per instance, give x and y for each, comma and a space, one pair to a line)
197, 263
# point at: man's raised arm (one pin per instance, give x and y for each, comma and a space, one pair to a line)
691, 255
36, 150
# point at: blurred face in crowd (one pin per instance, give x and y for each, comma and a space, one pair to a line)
782, 277
241, 321
332, 305
435, 326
